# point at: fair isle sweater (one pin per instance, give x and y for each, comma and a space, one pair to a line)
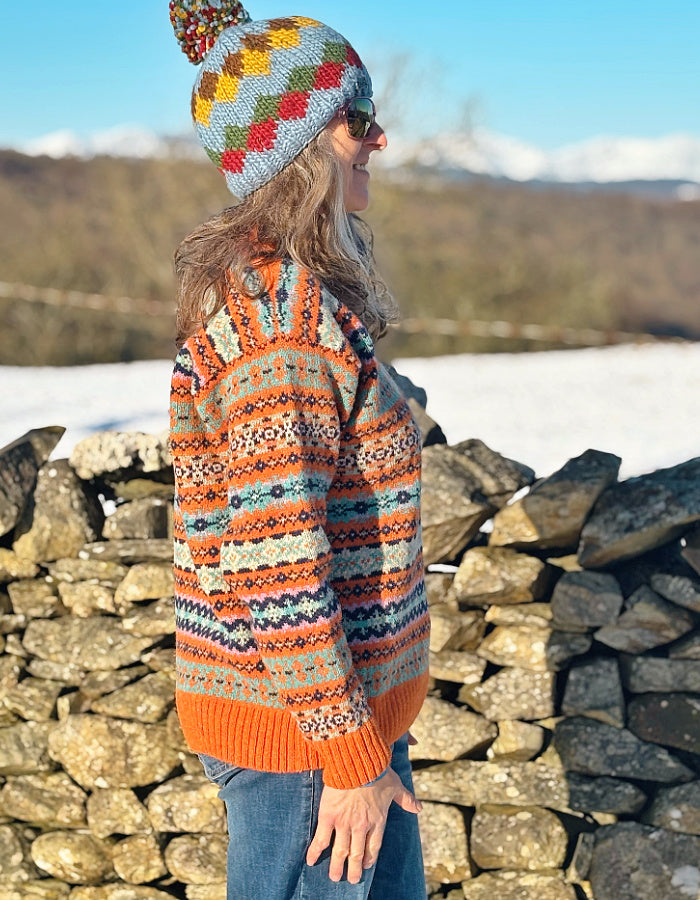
302, 621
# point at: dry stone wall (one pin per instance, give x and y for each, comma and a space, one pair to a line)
558, 752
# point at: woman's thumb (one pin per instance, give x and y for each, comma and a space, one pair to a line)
407, 801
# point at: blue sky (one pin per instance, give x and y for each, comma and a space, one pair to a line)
549, 73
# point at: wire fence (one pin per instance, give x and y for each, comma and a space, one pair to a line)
550, 334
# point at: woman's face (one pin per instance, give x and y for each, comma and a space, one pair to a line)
354, 156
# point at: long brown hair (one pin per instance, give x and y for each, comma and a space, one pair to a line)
299, 214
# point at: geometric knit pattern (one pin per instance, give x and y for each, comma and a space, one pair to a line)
302, 621
266, 89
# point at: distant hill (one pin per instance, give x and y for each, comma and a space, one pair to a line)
666, 165
481, 248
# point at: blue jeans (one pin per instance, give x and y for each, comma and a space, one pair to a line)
271, 820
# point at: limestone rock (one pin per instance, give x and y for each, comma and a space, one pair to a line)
119, 891
96, 643
139, 859
100, 752
676, 808
19, 464
198, 859
191, 763
73, 857
594, 689
49, 801
498, 476
35, 599
457, 666
678, 589
498, 576
445, 843
115, 455
537, 649
16, 864
146, 700
579, 867
10, 671
24, 748
176, 738
670, 719
454, 630
446, 732
648, 621
145, 581
516, 741
116, 811
437, 584
150, 517
604, 795
206, 891
462, 487
189, 803
553, 513
139, 488
471, 782
517, 837
130, 552
59, 496
11, 624
33, 698
154, 619
640, 514
515, 885
691, 551
594, 748
65, 673
84, 598
537, 615
161, 659
97, 684
687, 647
513, 693
644, 674
585, 600
13, 566
453, 506
13, 646
636, 862
98, 571
40, 889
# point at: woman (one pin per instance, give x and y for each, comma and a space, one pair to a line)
301, 612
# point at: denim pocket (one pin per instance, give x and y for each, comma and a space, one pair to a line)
217, 770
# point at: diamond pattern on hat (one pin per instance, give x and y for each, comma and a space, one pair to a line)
266, 89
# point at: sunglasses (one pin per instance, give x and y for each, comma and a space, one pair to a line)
359, 114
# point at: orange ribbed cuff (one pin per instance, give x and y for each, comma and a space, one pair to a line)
355, 758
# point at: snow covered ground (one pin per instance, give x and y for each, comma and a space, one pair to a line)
640, 402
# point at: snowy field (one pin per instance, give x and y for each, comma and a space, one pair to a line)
640, 402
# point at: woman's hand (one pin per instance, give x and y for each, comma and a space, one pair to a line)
358, 818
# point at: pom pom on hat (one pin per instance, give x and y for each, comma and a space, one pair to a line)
198, 23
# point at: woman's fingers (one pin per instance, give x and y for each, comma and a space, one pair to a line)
341, 852
372, 847
322, 839
356, 855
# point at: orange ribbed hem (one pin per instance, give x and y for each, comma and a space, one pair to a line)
266, 739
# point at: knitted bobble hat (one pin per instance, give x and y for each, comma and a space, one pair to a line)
265, 89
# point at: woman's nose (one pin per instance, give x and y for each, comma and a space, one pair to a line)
376, 138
